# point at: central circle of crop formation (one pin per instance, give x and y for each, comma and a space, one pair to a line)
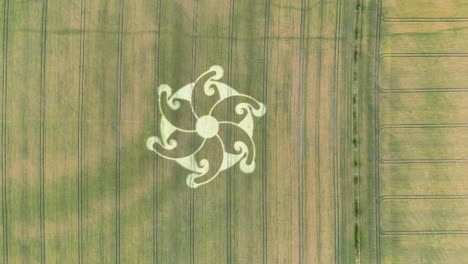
207, 126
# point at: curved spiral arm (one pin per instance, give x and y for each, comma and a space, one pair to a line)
169, 144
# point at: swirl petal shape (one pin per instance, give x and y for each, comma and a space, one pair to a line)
212, 118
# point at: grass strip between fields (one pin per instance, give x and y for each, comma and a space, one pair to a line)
355, 132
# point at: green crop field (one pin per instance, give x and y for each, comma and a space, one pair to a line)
413, 132
79, 99
234, 131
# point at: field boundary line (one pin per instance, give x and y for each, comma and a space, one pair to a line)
118, 129
423, 90
265, 134
80, 131
421, 197
418, 19
376, 127
88, 121
318, 77
435, 160
4, 129
423, 125
42, 110
357, 78
303, 51
229, 135
155, 205
423, 54
419, 55
335, 127
422, 233
192, 208
425, 20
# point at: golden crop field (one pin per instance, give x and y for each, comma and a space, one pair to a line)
413, 132
234, 131
79, 97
